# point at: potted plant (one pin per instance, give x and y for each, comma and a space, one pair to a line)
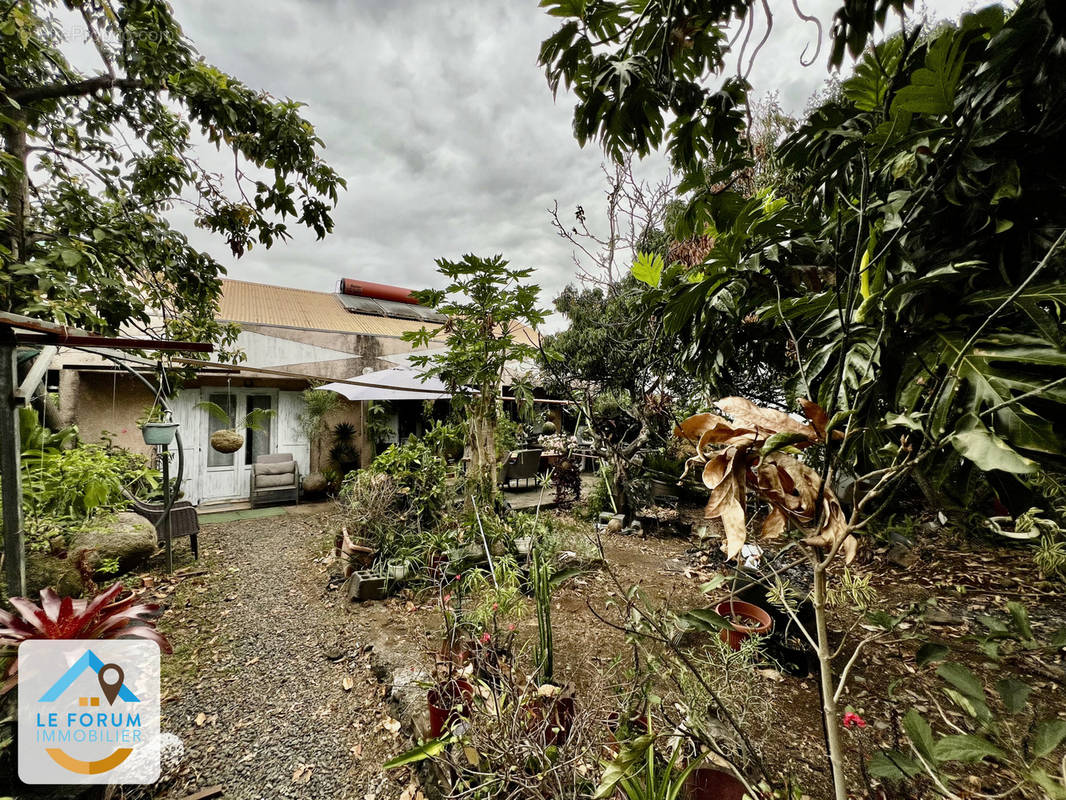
156, 428
448, 699
708, 783
228, 440
637, 772
745, 620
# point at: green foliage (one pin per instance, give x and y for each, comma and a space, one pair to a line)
254, 420
638, 772
486, 302
540, 579
420, 476
115, 150
377, 423
66, 489
895, 203
1003, 723
318, 404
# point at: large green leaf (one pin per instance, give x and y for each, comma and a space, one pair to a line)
962, 679
1014, 694
932, 87
1049, 735
920, 734
989, 452
966, 747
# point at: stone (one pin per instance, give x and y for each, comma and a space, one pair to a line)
934, 615
126, 537
45, 569
314, 483
901, 555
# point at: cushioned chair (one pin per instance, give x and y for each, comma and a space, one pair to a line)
184, 521
521, 465
275, 479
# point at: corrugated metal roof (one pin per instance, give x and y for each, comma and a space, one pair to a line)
262, 304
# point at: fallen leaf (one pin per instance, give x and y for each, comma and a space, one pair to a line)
201, 718
347, 683
391, 725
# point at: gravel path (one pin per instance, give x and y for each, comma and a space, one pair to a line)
270, 688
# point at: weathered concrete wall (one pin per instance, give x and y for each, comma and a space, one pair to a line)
350, 412
104, 401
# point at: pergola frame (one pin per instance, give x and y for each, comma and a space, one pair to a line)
16, 329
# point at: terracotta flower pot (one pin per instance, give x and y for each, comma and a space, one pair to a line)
447, 701
756, 621
707, 783
557, 711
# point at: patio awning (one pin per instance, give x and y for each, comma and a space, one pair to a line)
396, 383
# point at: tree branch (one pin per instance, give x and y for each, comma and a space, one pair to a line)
26, 95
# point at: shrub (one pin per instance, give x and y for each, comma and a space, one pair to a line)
102, 617
66, 490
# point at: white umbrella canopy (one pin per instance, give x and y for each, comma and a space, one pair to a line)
396, 383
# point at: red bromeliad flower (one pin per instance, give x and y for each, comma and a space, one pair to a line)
851, 720
100, 617
485, 637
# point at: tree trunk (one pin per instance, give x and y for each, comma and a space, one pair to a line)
17, 186
830, 717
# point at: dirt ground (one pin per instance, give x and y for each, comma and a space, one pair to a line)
280, 687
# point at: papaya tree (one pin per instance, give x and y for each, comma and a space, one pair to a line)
490, 307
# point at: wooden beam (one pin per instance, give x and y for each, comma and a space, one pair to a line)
36, 373
10, 475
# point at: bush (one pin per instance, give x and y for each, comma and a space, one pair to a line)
64, 491
420, 474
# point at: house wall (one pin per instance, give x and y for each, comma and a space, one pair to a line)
99, 402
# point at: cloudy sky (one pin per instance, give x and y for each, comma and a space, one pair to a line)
442, 123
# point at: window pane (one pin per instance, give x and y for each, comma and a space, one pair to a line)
215, 458
257, 442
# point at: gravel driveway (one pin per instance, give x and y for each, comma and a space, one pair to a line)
270, 688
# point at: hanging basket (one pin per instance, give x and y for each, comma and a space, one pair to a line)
158, 433
226, 441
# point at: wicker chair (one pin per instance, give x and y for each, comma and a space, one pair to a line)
184, 521
275, 478
521, 465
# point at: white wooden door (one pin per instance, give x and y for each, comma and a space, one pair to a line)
226, 475
291, 437
188, 418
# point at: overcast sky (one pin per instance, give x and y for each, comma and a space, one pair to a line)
442, 123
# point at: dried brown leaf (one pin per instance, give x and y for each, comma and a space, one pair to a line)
695, 426
775, 524
746, 414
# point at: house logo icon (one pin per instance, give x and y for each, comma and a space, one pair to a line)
97, 719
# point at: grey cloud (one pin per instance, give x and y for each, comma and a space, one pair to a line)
443, 125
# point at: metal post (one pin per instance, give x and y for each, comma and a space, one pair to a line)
10, 453
165, 456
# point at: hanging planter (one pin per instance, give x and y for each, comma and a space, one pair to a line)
227, 441
158, 433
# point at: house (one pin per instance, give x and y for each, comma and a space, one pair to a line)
292, 339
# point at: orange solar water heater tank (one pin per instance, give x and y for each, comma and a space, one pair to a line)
377, 291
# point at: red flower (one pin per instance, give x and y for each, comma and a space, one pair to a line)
457, 577
495, 606
851, 720
510, 627
485, 637
447, 597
